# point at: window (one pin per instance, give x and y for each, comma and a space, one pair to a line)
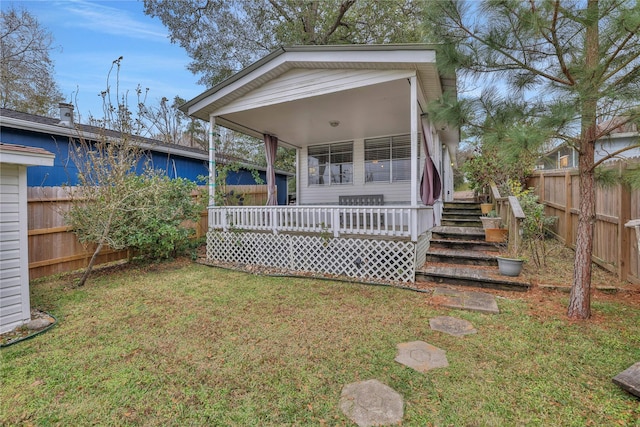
331, 164
387, 159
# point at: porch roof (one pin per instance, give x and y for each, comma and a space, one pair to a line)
296, 92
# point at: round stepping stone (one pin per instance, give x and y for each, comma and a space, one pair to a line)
421, 356
371, 403
452, 326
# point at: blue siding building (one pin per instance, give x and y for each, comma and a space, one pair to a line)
54, 136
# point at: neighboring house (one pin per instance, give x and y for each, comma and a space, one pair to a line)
15, 308
368, 191
54, 136
618, 137
561, 157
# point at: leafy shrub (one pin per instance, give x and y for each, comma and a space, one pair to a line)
156, 220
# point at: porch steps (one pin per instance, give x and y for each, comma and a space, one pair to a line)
472, 276
461, 221
459, 255
462, 256
464, 214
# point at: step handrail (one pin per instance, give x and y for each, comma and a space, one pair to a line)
509, 209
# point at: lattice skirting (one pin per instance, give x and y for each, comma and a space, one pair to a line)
364, 259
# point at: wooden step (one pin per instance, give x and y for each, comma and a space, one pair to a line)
461, 222
457, 232
461, 204
462, 257
462, 212
481, 277
471, 245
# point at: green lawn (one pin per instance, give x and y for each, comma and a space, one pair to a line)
185, 344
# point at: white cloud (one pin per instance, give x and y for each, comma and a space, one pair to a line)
119, 21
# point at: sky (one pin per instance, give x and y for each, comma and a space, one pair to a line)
90, 34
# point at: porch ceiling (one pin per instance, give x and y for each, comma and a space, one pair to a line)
382, 109
276, 96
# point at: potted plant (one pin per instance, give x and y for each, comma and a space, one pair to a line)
496, 235
511, 261
491, 220
485, 208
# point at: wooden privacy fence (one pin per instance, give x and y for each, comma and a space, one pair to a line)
53, 248
245, 195
615, 247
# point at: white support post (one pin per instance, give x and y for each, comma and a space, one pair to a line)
212, 161
414, 154
298, 175
414, 141
413, 217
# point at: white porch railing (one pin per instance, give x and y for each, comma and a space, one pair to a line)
394, 221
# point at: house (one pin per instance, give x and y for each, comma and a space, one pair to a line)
617, 137
54, 136
372, 169
15, 309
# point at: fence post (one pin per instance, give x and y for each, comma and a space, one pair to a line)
624, 252
568, 194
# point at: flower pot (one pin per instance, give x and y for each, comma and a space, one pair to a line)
490, 222
485, 208
496, 235
510, 266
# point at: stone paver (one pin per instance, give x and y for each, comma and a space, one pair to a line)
452, 326
421, 356
467, 300
38, 324
371, 403
629, 379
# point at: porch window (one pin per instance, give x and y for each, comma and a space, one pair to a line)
387, 159
331, 164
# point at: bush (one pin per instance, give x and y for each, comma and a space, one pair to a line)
157, 219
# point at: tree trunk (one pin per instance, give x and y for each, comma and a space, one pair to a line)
89, 268
580, 298
87, 272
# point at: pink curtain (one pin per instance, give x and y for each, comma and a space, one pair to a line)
270, 147
430, 184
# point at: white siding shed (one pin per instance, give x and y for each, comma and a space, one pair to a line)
15, 308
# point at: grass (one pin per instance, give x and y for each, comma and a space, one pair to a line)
184, 344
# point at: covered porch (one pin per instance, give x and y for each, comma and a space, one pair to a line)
356, 117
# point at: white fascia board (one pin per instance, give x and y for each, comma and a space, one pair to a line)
59, 130
65, 131
398, 56
244, 80
27, 159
